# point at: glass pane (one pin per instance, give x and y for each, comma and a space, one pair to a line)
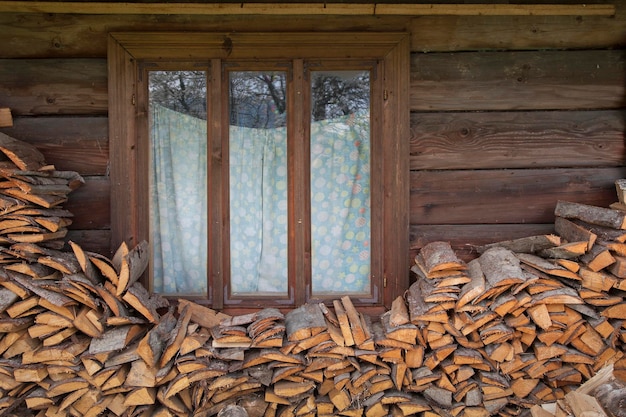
258, 183
178, 181
340, 182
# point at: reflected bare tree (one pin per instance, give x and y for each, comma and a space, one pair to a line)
182, 91
259, 98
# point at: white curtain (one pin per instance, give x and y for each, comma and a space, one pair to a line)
340, 205
178, 208
258, 210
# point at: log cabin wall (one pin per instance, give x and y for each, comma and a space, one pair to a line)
508, 113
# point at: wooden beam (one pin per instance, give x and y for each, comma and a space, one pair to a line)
496, 9
364, 9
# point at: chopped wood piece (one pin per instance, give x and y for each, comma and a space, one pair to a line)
439, 256
289, 389
540, 315
304, 322
617, 311
501, 267
398, 315
22, 154
85, 263
620, 189
344, 323
574, 232
583, 405
619, 267
530, 244
105, 267
204, 316
591, 214
419, 310
151, 347
138, 297
546, 266
359, 333
131, 265
175, 340
570, 250
140, 396
473, 289
597, 258
440, 396
6, 120
39, 288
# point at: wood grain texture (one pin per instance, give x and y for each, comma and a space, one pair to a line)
506, 196
54, 86
69, 35
526, 80
311, 8
484, 140
69, 143
125, 199
90, 204
85, 36
473, 33
97, 241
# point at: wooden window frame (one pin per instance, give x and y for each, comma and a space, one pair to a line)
128, 149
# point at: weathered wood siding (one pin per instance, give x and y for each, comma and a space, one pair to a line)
508, 114
499, 137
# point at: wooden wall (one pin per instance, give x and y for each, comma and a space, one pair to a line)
508, 114
499, 137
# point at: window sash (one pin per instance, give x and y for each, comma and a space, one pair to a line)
299, 210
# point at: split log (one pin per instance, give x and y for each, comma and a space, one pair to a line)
304, 322
439, 256
591, 214
530, 244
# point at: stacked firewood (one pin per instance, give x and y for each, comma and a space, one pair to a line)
604, 395
536, 317
31, 194
525, 323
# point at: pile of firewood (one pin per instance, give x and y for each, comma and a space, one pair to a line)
525, 323
603, 395
520, 326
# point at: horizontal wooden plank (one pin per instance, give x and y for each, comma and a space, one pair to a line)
91, 204
36, 87
78, 144
506, 196
487, 140
250, 45
524, 80
465, 237
476, 33
39, 35
98, 241
62, 35
316, 8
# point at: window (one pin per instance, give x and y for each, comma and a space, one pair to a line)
264, 169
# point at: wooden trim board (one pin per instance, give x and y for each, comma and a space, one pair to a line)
364, 9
